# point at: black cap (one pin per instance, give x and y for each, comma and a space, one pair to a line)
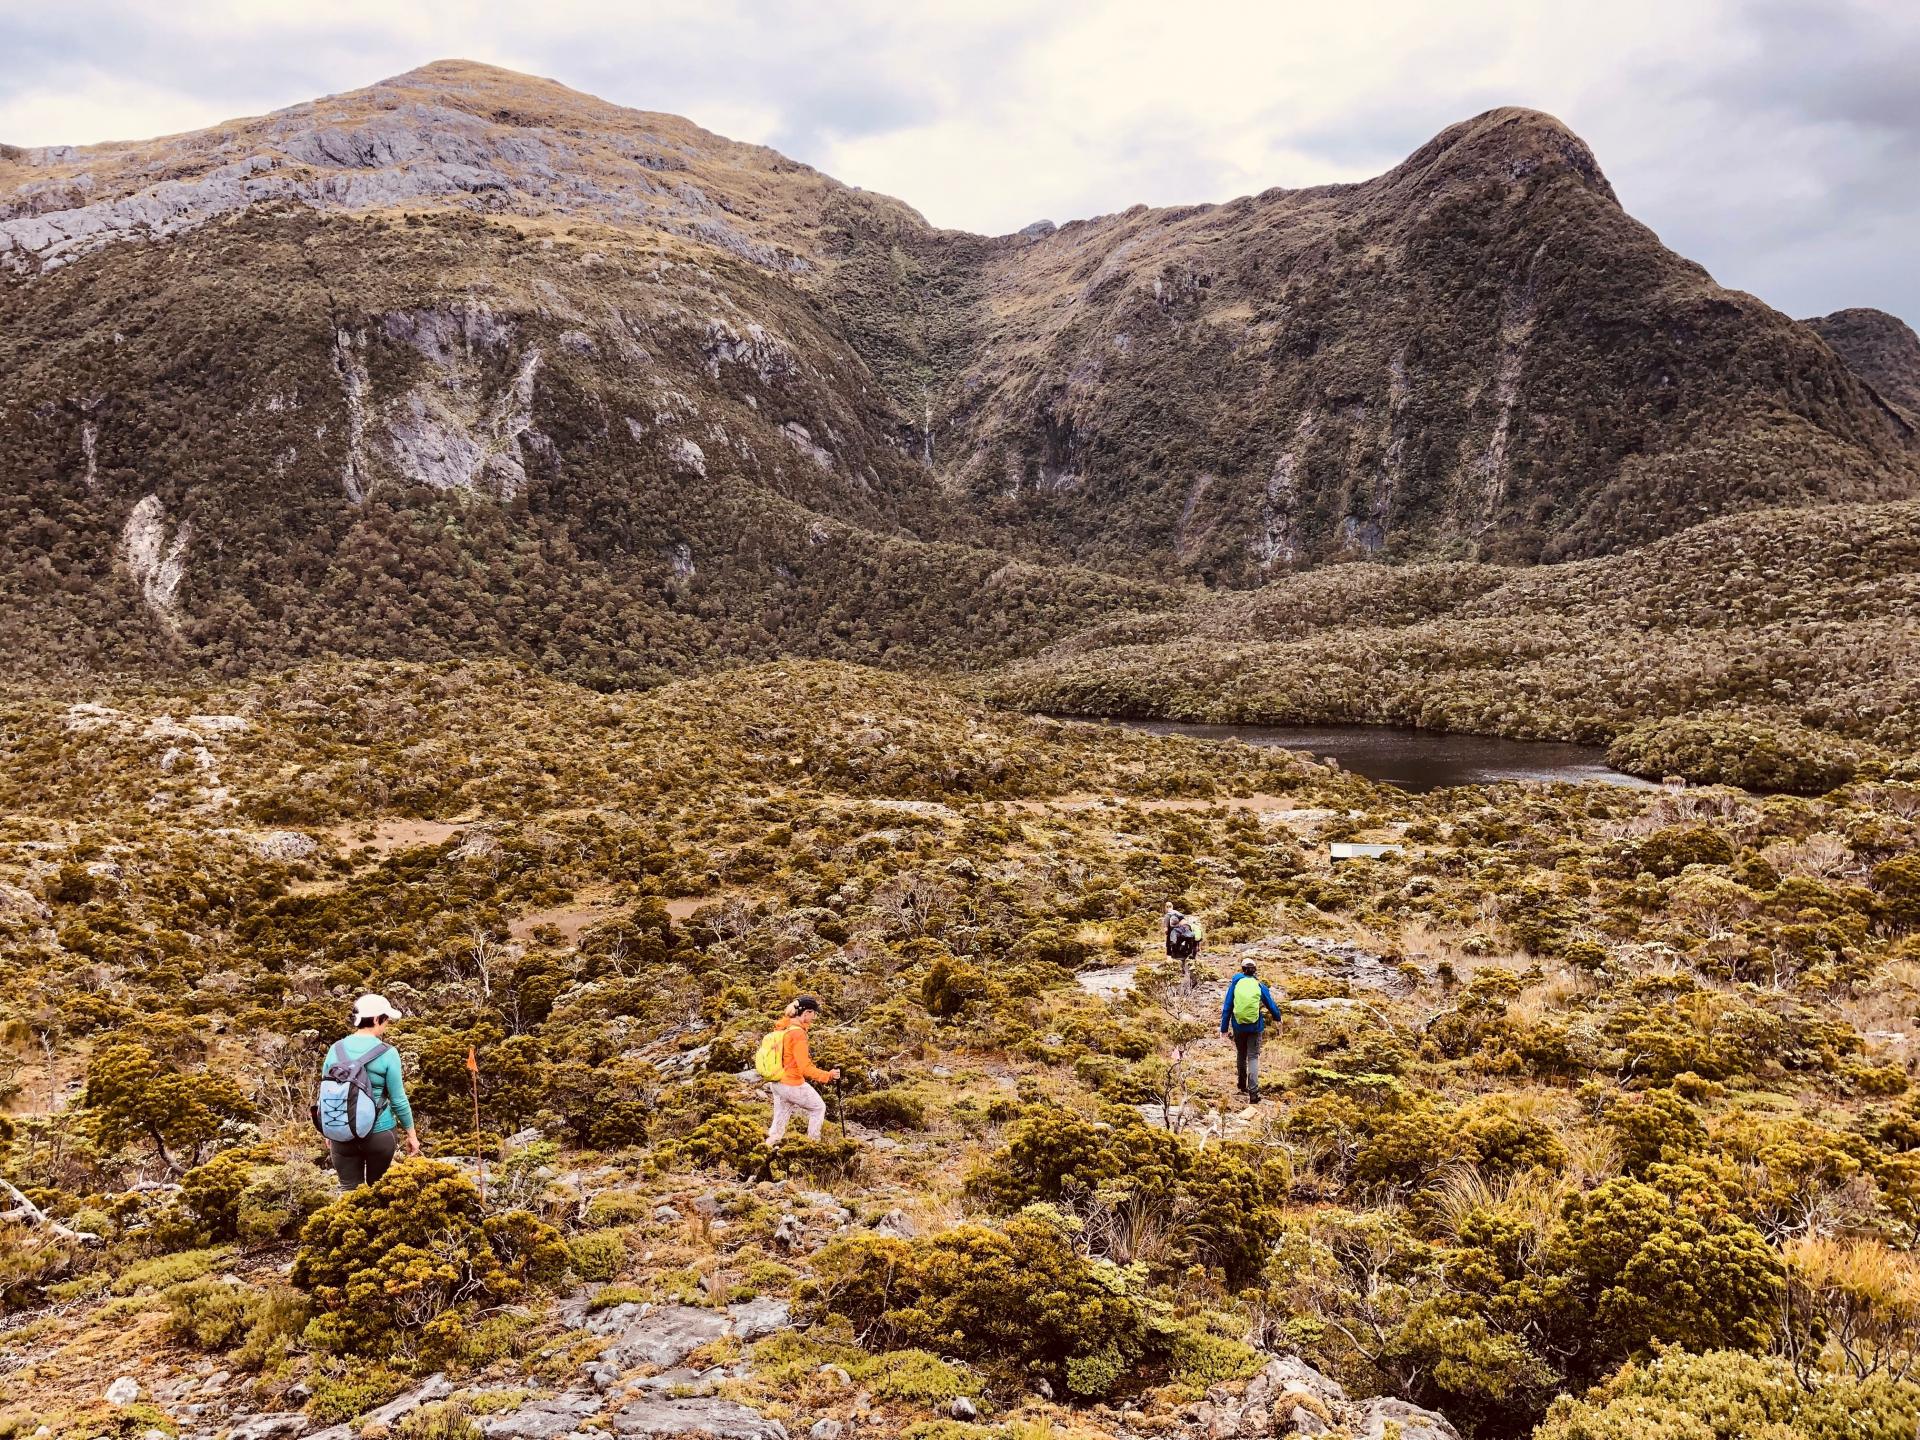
1247, 969
806, 1002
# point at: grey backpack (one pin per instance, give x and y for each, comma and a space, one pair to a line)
344, 1108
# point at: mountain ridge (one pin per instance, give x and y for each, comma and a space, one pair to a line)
495, 338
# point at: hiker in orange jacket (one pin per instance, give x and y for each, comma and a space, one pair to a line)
791, 1091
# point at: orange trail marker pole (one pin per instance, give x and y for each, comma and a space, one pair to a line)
479, 1160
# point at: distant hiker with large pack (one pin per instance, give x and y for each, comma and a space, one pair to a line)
1183, 941
362, 1098
1243, 1014
786, 1062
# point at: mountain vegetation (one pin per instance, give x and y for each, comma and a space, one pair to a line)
1784, 643
1576, 1087
470, 363
1881, 349
594, 582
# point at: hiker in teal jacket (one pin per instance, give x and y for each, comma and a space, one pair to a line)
363, 1161
1243, 1015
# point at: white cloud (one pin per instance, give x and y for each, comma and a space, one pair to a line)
1770, 139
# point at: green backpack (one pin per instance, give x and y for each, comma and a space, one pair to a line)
1246, 1001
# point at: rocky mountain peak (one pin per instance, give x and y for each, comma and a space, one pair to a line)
1880, 348
450, 135
1511, 144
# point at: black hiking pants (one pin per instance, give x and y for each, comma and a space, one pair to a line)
361, 1162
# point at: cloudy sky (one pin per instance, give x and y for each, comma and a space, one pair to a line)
1775, 141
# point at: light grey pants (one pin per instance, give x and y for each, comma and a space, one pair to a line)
805, 1099
1246, 1046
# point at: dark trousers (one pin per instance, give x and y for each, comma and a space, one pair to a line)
362, 1162
1246, 1054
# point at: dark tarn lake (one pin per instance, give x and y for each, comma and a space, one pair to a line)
1417, 759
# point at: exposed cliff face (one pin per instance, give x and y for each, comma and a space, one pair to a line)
618, 455
471, 360
1881, 349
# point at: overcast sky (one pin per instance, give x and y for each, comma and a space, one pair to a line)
1775, 141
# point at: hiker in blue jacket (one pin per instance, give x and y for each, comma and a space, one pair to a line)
1243, 1015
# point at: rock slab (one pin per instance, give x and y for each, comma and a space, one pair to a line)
708, 1418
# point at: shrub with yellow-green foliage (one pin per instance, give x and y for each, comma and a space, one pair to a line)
1731, 1396
246, 1194
1217, 1203
252, 1325
1667, 1259
386, 1263
135, 1096
1722, 750
1019, 1297
597, 1255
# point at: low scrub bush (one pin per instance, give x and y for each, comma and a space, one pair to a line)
391, 1258
888, 1109
597, 1255
1717, 750
1727, 1396
1019, 1295
223, 1316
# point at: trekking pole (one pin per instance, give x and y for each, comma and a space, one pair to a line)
839, 1110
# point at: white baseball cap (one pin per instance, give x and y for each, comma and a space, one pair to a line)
372, 1007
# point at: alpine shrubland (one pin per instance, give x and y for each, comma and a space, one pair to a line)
1621, 1098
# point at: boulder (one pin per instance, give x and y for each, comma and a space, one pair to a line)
665, 1337
1291, 1374
710, 1419
896, 1224
683, 1380
753, 1319
542, 1419
434, 1387
123, 1391
613, 1320
283, 845
14, 900
1372, 1418
281, 1426
1291, 1396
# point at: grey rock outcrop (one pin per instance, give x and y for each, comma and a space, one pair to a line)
666, 1337
542, 1419
658, 1419
753, 1319
1291, 1397
156, 559
284, 1425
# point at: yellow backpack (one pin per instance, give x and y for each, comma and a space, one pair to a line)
768, 1059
